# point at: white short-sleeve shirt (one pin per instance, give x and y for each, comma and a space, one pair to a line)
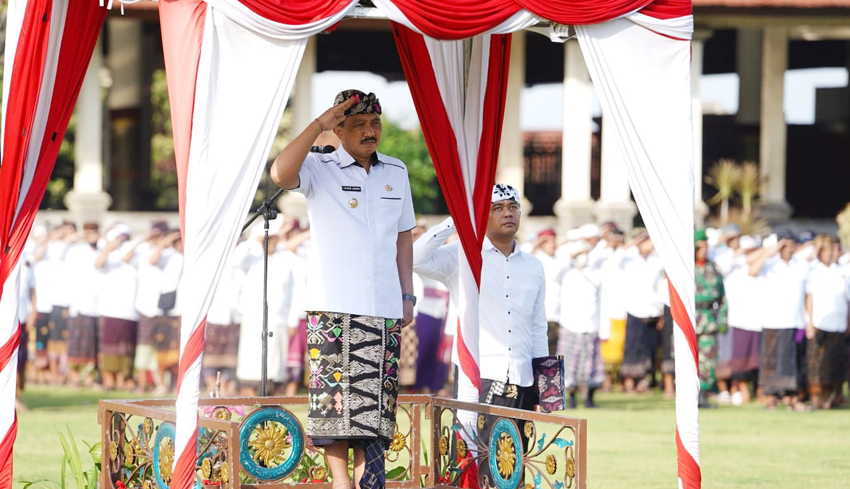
355, 219
785, 293
830, 296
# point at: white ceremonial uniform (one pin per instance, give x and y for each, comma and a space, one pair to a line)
785, 286
149, 279
830, 295
551, 270
116, 296
355, 219
641, 282
80, 261
580, 299
744, 296
612, 293
60, 277
249, 364
511, 306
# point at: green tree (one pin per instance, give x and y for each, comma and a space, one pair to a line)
409, 146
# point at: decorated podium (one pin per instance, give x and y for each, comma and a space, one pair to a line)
260, 442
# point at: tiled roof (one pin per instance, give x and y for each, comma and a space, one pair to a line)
773, 3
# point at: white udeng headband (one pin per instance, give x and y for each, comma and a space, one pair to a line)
503, 191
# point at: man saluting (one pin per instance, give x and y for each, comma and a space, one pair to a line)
359, 291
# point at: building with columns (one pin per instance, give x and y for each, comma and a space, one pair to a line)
580, 176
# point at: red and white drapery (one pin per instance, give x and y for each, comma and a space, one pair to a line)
48, 47
227, 97
230, 67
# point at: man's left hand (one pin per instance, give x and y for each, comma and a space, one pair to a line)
408, 314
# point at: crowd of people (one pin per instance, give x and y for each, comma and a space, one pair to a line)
102, 309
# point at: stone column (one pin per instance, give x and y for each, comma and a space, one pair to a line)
293, 203
125, 60
615, 203
86, 200
697, 50
575, 207
773, 139
511, 167
748, 66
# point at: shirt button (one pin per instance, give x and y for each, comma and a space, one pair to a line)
509, 349
509, 312
509, 331
506, 295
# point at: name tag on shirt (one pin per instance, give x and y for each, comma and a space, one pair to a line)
346, 188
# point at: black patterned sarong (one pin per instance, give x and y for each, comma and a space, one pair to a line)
353, 377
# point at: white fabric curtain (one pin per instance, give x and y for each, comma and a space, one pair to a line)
242, 15
244, 81
643, 82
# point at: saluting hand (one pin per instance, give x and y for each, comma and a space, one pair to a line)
333, 116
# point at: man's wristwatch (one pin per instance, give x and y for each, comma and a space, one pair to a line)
409, 297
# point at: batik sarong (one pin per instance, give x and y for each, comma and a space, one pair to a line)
582, 359
353, 377
82, 341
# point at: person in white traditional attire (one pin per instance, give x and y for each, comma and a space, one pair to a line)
612, 308
148, 284
784, 284
53, 254
360, 287
642, 270
116, 307
280, 282
82, 328
827, 296
512, 312
221, 346
579, 335
545, 246
168, 256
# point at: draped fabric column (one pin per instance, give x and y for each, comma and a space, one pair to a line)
462, 126
230, 67
640, 66
48, 47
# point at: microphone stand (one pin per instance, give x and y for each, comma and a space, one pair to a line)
269, 213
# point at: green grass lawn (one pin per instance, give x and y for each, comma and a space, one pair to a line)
631, 442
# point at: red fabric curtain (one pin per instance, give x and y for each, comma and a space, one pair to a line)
442, 144
467, 18
83, 22
581, 12
462, 19
295, 12
668, 9
27, 73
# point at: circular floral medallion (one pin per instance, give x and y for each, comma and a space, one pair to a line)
444, 446
318, 473
505, 459
529, 429
271, 444
113, 451
462, 450
398, 443
163, 455
224, 473
571, 467
206, 468
482, 422
147, 426
551, 464
222, 412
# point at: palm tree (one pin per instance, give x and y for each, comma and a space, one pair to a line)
723, 176
748, 187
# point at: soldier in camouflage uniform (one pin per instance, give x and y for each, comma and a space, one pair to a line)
711, 310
